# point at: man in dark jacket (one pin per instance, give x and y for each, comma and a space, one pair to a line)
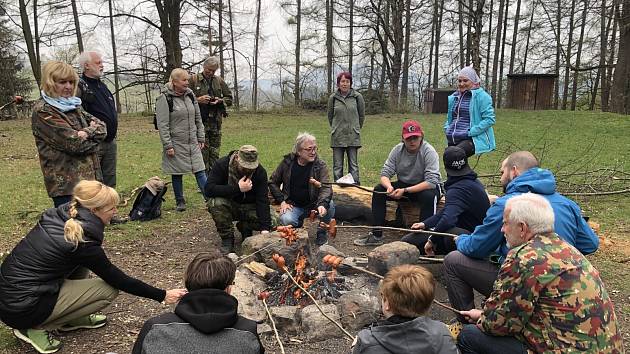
97, 100
465, 208
205, 320
237, 191
294, 186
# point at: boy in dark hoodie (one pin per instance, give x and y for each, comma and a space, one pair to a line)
205, 320
406, 294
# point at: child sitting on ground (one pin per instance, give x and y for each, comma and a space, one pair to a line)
205, 319
406, 295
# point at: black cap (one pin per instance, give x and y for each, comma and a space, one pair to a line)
456, 162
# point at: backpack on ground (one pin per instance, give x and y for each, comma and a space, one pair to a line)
148, 203
169, 101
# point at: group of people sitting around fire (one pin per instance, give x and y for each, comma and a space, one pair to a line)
524, 251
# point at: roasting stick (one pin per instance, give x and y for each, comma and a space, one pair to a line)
263, 296
439, 260
319, 184
260, 250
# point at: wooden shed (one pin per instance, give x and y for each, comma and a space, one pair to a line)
531, 91
436, 100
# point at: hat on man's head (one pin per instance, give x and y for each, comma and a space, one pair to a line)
411, 128
248, 157
456, 162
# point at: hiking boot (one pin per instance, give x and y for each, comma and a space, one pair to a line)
369, 240
322, 238
40, 339
89, 322
181, 205
117, 219
227, 245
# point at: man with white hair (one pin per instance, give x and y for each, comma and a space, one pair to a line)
213, 96
547, 297
97, 100
294, 185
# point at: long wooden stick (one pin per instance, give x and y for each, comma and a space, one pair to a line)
438, 260
395, 229
260, 250
273, 324
316, 304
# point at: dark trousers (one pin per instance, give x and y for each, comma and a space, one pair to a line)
472, 340
426, 201
62, 199
107, 158
465, 274
441, 244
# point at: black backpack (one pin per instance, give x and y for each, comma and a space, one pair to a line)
147, 206
169, 100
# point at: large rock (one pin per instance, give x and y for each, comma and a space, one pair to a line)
257, 242
286, 318
323, 251
246, 288
316, 326
358, 308
385, 257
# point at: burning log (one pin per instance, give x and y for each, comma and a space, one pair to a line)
263, 296
332, 228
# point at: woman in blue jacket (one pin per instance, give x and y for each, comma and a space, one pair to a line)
470, 115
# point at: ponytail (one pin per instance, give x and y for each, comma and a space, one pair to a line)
73, 231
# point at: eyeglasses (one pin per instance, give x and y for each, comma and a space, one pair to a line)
310, 150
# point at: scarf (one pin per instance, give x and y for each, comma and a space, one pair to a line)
61, 103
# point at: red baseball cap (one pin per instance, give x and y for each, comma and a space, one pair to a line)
411, 128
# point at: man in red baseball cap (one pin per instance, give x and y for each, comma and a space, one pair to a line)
417, 168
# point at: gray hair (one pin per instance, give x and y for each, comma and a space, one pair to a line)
301, 139
86, 57
533, 210
211, 62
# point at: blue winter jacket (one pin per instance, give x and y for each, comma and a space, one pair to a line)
569, 224
482, 119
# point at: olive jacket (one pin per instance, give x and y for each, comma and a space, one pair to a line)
346, 116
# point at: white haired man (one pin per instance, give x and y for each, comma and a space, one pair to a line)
291, 186
547, 298
213, 96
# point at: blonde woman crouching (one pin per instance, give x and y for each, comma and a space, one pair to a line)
44, 282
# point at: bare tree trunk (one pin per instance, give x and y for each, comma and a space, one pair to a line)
298, 20
513, 49
489, 40
460, 26
329, 46
476, 25
591, 105
404, 85
255, 78
556, 94
77, 25
620, 93
221, 57
497, 50
433, 29
578, 55
469, 20
351, 37
32, 42
115, 55
606, 19
505, 22
437, 42
210, 50
371, 78
529, 32
565, 94
170, 17
234, 70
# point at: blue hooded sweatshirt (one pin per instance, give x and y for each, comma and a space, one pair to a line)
569, 224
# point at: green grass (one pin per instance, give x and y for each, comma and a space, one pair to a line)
565, 142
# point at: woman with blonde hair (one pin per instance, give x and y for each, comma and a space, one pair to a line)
182, 134
44, 282
67, 138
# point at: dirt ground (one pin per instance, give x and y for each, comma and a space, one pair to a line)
161, 259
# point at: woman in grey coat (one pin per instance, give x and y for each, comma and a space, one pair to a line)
181, 133
346, 114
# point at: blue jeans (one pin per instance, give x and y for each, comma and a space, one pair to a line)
178, 184
295, 217
353, 162
472, 340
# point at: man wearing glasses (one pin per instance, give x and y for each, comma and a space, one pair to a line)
294, 185
416, 165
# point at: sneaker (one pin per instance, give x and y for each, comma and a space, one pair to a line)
89, 322
227, 245
40, 339
117, 219
181, 205
369, 240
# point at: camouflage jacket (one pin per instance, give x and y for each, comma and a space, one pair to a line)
550, 297
65, 158
200, 86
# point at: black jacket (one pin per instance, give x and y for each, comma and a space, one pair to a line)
205, 321
32, 274
218, 187
97, 100
466, 204
279, 184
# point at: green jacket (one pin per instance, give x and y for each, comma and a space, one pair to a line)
200, 86
64, 157
346, 116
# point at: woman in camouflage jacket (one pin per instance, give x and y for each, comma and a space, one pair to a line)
67, 138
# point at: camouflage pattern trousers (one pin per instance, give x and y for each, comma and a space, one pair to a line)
225, 211
212, 148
